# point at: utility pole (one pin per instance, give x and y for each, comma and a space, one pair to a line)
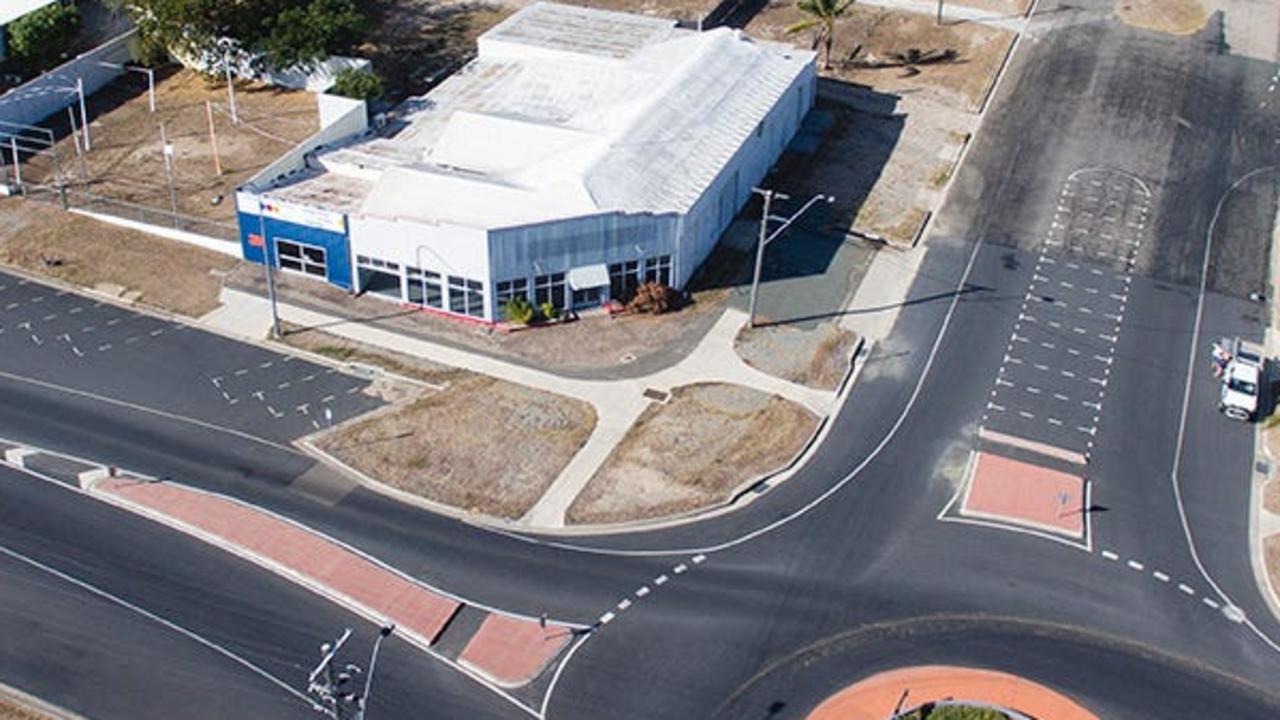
766, 237
213, 138
84, 115
231, 86
271, 278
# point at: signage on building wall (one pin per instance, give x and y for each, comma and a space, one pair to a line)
304, 215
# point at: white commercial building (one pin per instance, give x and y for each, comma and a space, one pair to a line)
581, 153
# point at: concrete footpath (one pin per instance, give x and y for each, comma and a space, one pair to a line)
618, 404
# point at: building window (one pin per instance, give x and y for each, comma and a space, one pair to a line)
549, 288
624, 278
511, 289
658, 269
425, 288
301, 258
466, 297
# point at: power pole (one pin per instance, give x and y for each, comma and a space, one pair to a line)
167, 149
333, 687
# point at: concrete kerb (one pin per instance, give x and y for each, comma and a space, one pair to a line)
27, 700
742, 494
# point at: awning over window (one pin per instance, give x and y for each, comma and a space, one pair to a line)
588, 276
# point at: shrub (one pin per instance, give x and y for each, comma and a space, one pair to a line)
549, 311
41, 36
358, 84
653, 298
518, 310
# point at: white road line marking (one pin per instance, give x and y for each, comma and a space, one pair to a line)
1026, 414
1160, 576
660, 580
1100, 381
113, 321
1134, 564
38, 298
1108, 338
1014, 361
1086, 430
1060, 396
282, 386
1032, 390
1185, 588
105, 347
1095, 406
240, 372
626, 603
47, 318
993, 406
1102, 359
1210, 602
36, 340
1048, 345
1041, 366
1091, 290
1054, 324
1001, 381
1073, 351
1085, 310
644, 590
1067, 373
326, 399
1054, 421
1110, 555
1079, 330
699, 559
155, 333
606, 618
1065, 284
353, 390
75, 311
265, 365
131, 339
76, 350
679, 568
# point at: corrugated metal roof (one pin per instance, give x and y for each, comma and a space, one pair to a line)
523, 136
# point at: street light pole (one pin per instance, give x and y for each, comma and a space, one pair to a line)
271, 278
383, 633
766, 237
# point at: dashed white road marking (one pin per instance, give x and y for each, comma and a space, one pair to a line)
1110, 555
660, 580
1187, 589
642, 591
1160, 576
1135, 565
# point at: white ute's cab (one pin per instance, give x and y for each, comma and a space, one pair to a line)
1242, 381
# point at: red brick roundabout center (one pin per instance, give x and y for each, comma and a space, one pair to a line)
880, 696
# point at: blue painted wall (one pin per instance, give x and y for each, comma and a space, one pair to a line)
336, 248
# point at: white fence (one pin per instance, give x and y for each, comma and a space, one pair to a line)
37, 99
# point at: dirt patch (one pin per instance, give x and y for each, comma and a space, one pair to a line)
350, 351
125, 161
890, 168
817, 356
481, 445
692, 452
13, 711
415, 43
690, 11
872, 35
1271, 552
1177, 17
167, 274
1004, 7
1271, 496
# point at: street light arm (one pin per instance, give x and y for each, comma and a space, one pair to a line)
787, 223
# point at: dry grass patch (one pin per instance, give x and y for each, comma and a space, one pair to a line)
1177, 17
817, 356
875, 35
693, 453
126, 159
1271, 496
1271, 551
167, 274
688, 10
341, 349
13, 711
481, 445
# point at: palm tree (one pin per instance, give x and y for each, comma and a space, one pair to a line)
822, 15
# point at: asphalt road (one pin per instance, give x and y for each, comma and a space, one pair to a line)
846, 568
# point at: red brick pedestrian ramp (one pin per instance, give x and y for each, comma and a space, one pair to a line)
898, 691
507, 650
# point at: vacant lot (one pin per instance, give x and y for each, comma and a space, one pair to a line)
693, 452
817, 356
956, 61
126, 156
481, 445
1178, 17
154, 271
689, 11
413, 43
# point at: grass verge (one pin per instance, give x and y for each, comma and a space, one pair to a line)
693, 452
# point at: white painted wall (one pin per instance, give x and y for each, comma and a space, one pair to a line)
446, 249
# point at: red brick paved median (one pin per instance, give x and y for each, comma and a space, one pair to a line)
322, 564
512, 651
877, 697
1026, 494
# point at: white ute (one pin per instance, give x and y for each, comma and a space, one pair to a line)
1242, 380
